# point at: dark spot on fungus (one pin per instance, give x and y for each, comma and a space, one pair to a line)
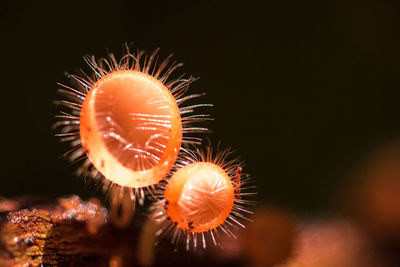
166, 203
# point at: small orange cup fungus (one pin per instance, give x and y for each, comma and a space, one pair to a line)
202, 196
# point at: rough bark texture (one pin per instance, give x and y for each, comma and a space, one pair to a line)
68, 233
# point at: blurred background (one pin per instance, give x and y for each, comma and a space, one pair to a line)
307, 92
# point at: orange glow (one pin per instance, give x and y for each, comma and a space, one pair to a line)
269, 239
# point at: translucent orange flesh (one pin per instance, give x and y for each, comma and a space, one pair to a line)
199, 197
131, 129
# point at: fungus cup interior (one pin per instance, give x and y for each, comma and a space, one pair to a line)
131, 129
199, 197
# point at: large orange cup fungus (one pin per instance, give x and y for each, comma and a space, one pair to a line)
131, 128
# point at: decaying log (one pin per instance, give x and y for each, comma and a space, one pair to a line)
70, 232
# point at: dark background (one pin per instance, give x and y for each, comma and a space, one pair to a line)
302, 89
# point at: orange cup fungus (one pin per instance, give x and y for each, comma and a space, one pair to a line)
202, 196
199, 197
126, 121
131, 128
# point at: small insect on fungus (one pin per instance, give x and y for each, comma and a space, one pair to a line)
203, 195
126, 122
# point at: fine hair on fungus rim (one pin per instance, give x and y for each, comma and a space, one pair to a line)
126, 120
203, 197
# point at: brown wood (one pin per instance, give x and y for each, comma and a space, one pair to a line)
68, 233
